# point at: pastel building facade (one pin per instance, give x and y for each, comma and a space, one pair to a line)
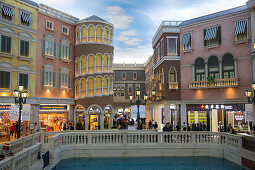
167, 76
55, 67
93, 73
216, 69
18, 39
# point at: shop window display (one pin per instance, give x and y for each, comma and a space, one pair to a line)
94, 118
51, 122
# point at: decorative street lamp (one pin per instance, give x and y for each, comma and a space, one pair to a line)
248, 94
20, 99
138, 102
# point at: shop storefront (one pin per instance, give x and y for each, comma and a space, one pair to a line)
53, 117
80, 118
9, 116
94, 118
107, 115
217, 117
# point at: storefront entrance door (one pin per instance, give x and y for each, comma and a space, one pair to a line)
94, 122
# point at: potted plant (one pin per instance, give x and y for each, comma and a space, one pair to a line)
210, 81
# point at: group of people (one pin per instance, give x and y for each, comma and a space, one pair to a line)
153, 125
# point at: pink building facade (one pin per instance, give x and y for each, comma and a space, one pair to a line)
216, 69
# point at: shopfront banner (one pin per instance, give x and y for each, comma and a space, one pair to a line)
26, 112
14, 113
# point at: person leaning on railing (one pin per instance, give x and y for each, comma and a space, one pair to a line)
6, 151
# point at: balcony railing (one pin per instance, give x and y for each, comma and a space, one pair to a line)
218, 83
173, 85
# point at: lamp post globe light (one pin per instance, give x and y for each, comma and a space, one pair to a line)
138, 102
248, 94
20, 99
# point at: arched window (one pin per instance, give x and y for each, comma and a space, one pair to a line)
91, 33
199, 69
213, 67
84, 34
106, 63
228, 66
91, 64
172, 75
99, 34
83, 88
105, 85
90, 86
111, 33
106, 34
98, 86
77, 88
83, 65
99, 63
78, 35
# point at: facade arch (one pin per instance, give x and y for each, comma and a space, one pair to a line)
91, 33
83, 87
91, 85
106, 34
84, 33
95, 115
77, 88
91, 63
83, 64
199, 69
105, 85
172, 74
213, 67
99, 33
99, 85
105, 63
78, 34
99, 62
228, 66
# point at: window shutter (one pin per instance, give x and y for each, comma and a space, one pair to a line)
59, 51
7, 80
55, 50
43, 47
54, 79
42, 77
59, 80
70, 53
204, 38
69, 81
219, 34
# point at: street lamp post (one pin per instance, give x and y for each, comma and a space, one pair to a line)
20, 99
249, 96
138, 102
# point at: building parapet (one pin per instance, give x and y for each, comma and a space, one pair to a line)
57, 14
128, 66
166, 27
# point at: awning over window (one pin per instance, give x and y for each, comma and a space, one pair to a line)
26, 17
186, 38
211, 33
240, 27
8, 11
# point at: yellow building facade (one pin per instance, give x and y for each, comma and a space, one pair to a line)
18, 39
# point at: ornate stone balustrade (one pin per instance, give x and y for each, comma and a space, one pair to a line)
70, 144
173, 85
218, 83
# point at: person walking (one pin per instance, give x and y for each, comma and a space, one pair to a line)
12, 129
150, 125
155, 126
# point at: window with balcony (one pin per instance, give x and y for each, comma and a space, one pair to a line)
241, 31
24, 48
49, 48
7, 12
48, 78
6, 44
25, 18
172, 46
65, 30
186, 42
23, 80
5, 77
64, 80
123, 76
213, 67
212, 36
228, 66
172, 75
199, 69
65, 52
49, 25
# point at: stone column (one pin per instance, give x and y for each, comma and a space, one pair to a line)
86, 121
167, 112
220, 69
72, 116
206, 70
183, 114
102, 121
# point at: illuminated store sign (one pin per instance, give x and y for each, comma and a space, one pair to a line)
5, 107
53, 107
239, 116
212, 106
